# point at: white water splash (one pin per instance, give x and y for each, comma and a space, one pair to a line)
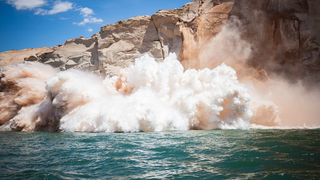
22, 85
147, 96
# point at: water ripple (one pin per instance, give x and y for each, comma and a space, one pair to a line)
220, 154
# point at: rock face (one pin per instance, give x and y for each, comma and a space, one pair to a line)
284, 36
14, 56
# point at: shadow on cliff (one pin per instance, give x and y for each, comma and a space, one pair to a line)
280, 96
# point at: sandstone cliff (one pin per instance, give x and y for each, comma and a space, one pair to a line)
15, 56
284, 37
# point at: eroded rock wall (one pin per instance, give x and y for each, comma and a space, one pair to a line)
284, 36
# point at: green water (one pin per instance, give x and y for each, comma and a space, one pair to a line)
218, 154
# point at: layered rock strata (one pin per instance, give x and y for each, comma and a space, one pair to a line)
284, 37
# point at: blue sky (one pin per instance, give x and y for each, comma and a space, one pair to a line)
46, 23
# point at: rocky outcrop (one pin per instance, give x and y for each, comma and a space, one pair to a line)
15, 56
119, 44
284, 37
79, 53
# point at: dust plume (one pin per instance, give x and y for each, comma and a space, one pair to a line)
275, 101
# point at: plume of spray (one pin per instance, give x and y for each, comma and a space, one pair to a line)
147, 96
151, 96
22, 85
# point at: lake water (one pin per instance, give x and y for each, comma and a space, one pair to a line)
217, 154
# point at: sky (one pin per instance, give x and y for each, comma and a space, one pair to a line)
47, 23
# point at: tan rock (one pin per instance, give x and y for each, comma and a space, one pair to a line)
15, 56
284, 35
